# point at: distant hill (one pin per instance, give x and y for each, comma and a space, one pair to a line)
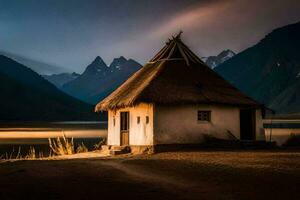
60, 79
37, 66
214, 61
270, 70
98, 79
27, 96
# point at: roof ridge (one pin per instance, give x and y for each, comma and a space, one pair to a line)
168, 50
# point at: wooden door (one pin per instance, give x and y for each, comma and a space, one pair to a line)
124, 132
247, 124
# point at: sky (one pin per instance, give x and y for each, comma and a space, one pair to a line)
71, 33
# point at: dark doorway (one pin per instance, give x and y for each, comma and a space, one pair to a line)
124, 132
247, 124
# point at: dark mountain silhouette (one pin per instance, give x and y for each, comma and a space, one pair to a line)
98, 79
37, 66
270, 70
117, 63
27, 96
60, 79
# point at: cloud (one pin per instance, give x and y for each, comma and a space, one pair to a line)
197, 17
229, 24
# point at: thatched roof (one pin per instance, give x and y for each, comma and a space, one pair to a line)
175, 75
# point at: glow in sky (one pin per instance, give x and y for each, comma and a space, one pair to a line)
72, 33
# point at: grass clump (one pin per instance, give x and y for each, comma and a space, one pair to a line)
81, 148
31, 153
99, 144
62, 146
29, 156
58, 146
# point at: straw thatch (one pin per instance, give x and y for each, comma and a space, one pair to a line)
175, 75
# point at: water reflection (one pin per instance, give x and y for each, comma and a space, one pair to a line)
15, 135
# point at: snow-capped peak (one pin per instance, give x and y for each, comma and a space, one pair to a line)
214, 61
225, 55
117, 63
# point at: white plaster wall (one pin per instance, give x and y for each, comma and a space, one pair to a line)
139, 134
113, 134
179, 124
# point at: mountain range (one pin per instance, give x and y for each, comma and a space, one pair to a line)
214, 61
27, 96
60, 79
99, 79
270, 70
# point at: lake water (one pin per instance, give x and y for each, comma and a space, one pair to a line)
279, 130
26, 134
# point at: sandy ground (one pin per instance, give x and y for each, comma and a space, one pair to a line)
174, 175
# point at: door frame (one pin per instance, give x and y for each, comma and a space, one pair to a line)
252, 123
127, 126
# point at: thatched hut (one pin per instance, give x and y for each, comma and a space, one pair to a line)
177, 99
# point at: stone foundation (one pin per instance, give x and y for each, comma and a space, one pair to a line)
147, 149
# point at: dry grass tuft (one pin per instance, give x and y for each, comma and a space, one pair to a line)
81, 148
29, 156
98, 146
58, 146
62, 146
31, 153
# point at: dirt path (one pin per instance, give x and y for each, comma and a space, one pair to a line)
174, 186
177, 175
183, 188
139, 173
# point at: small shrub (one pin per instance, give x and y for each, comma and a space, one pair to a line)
292, 141
62, 146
